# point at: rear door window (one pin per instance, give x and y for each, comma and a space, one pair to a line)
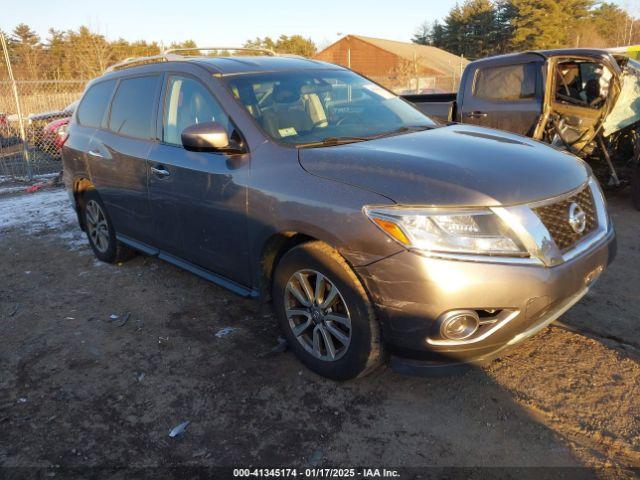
133, 107
188, 103
507, 83
94, 104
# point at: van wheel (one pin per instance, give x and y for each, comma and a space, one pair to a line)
100, 231
325, 313
635, 187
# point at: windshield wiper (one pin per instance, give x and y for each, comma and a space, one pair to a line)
405, 129
332, 141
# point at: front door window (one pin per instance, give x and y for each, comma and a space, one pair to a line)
582, 83
188, 103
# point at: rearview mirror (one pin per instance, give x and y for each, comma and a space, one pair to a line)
209, 137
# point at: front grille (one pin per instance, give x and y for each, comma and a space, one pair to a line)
556, 218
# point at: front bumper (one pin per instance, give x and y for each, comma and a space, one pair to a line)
411, 292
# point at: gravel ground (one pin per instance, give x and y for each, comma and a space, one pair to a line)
80, 389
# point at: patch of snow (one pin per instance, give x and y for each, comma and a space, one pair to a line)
35, 177
8, 190
75, 239
37, 212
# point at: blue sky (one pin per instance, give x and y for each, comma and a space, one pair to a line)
227, 22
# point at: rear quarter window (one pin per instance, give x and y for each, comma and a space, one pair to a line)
133, 107
94, 104
506, 83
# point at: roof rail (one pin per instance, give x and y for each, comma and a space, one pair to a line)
264, 51
135, 61
171, 55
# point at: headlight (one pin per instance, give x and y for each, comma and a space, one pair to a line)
479, 232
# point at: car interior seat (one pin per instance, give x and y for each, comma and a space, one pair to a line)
293, 112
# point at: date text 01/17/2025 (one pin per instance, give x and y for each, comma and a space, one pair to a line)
336, 473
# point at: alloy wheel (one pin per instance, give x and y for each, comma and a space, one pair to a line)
97, 226
318, 315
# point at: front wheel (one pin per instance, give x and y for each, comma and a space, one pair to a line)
325, 313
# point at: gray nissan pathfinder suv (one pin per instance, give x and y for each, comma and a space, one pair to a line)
372, 229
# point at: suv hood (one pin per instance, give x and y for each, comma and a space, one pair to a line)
457, 165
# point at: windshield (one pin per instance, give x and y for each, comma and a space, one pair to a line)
312, 106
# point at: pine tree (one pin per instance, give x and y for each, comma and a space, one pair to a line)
543, 24
453, 35
422, 36
612, 24
57, 54
478, 28
295, 45
479, 20
26, 51
504, 18
472, 29
438, 34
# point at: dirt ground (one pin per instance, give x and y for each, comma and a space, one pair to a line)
80, 389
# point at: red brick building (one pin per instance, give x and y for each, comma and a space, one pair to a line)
399, 65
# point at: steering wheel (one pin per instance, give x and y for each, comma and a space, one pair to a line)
317, 124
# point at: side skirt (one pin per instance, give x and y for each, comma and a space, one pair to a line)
190, 267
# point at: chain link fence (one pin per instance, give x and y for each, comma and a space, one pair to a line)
419, 84
412, 77
33, 116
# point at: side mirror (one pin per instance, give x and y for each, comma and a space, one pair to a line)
209, 137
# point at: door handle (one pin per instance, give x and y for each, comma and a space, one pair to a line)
95, 153
476, 114
160, 171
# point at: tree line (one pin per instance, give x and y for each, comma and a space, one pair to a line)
83, 54
474, 28
478, 28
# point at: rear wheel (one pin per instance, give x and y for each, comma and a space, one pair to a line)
100, 231
325, 313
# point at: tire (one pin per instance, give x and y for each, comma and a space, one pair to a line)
360, 350
100, 231
635, 187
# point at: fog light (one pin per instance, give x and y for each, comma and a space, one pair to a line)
459, 324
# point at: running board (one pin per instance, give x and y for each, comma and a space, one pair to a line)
190, 267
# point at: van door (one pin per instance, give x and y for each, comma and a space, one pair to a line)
505, 96
119, 156
581, 93
198, 199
